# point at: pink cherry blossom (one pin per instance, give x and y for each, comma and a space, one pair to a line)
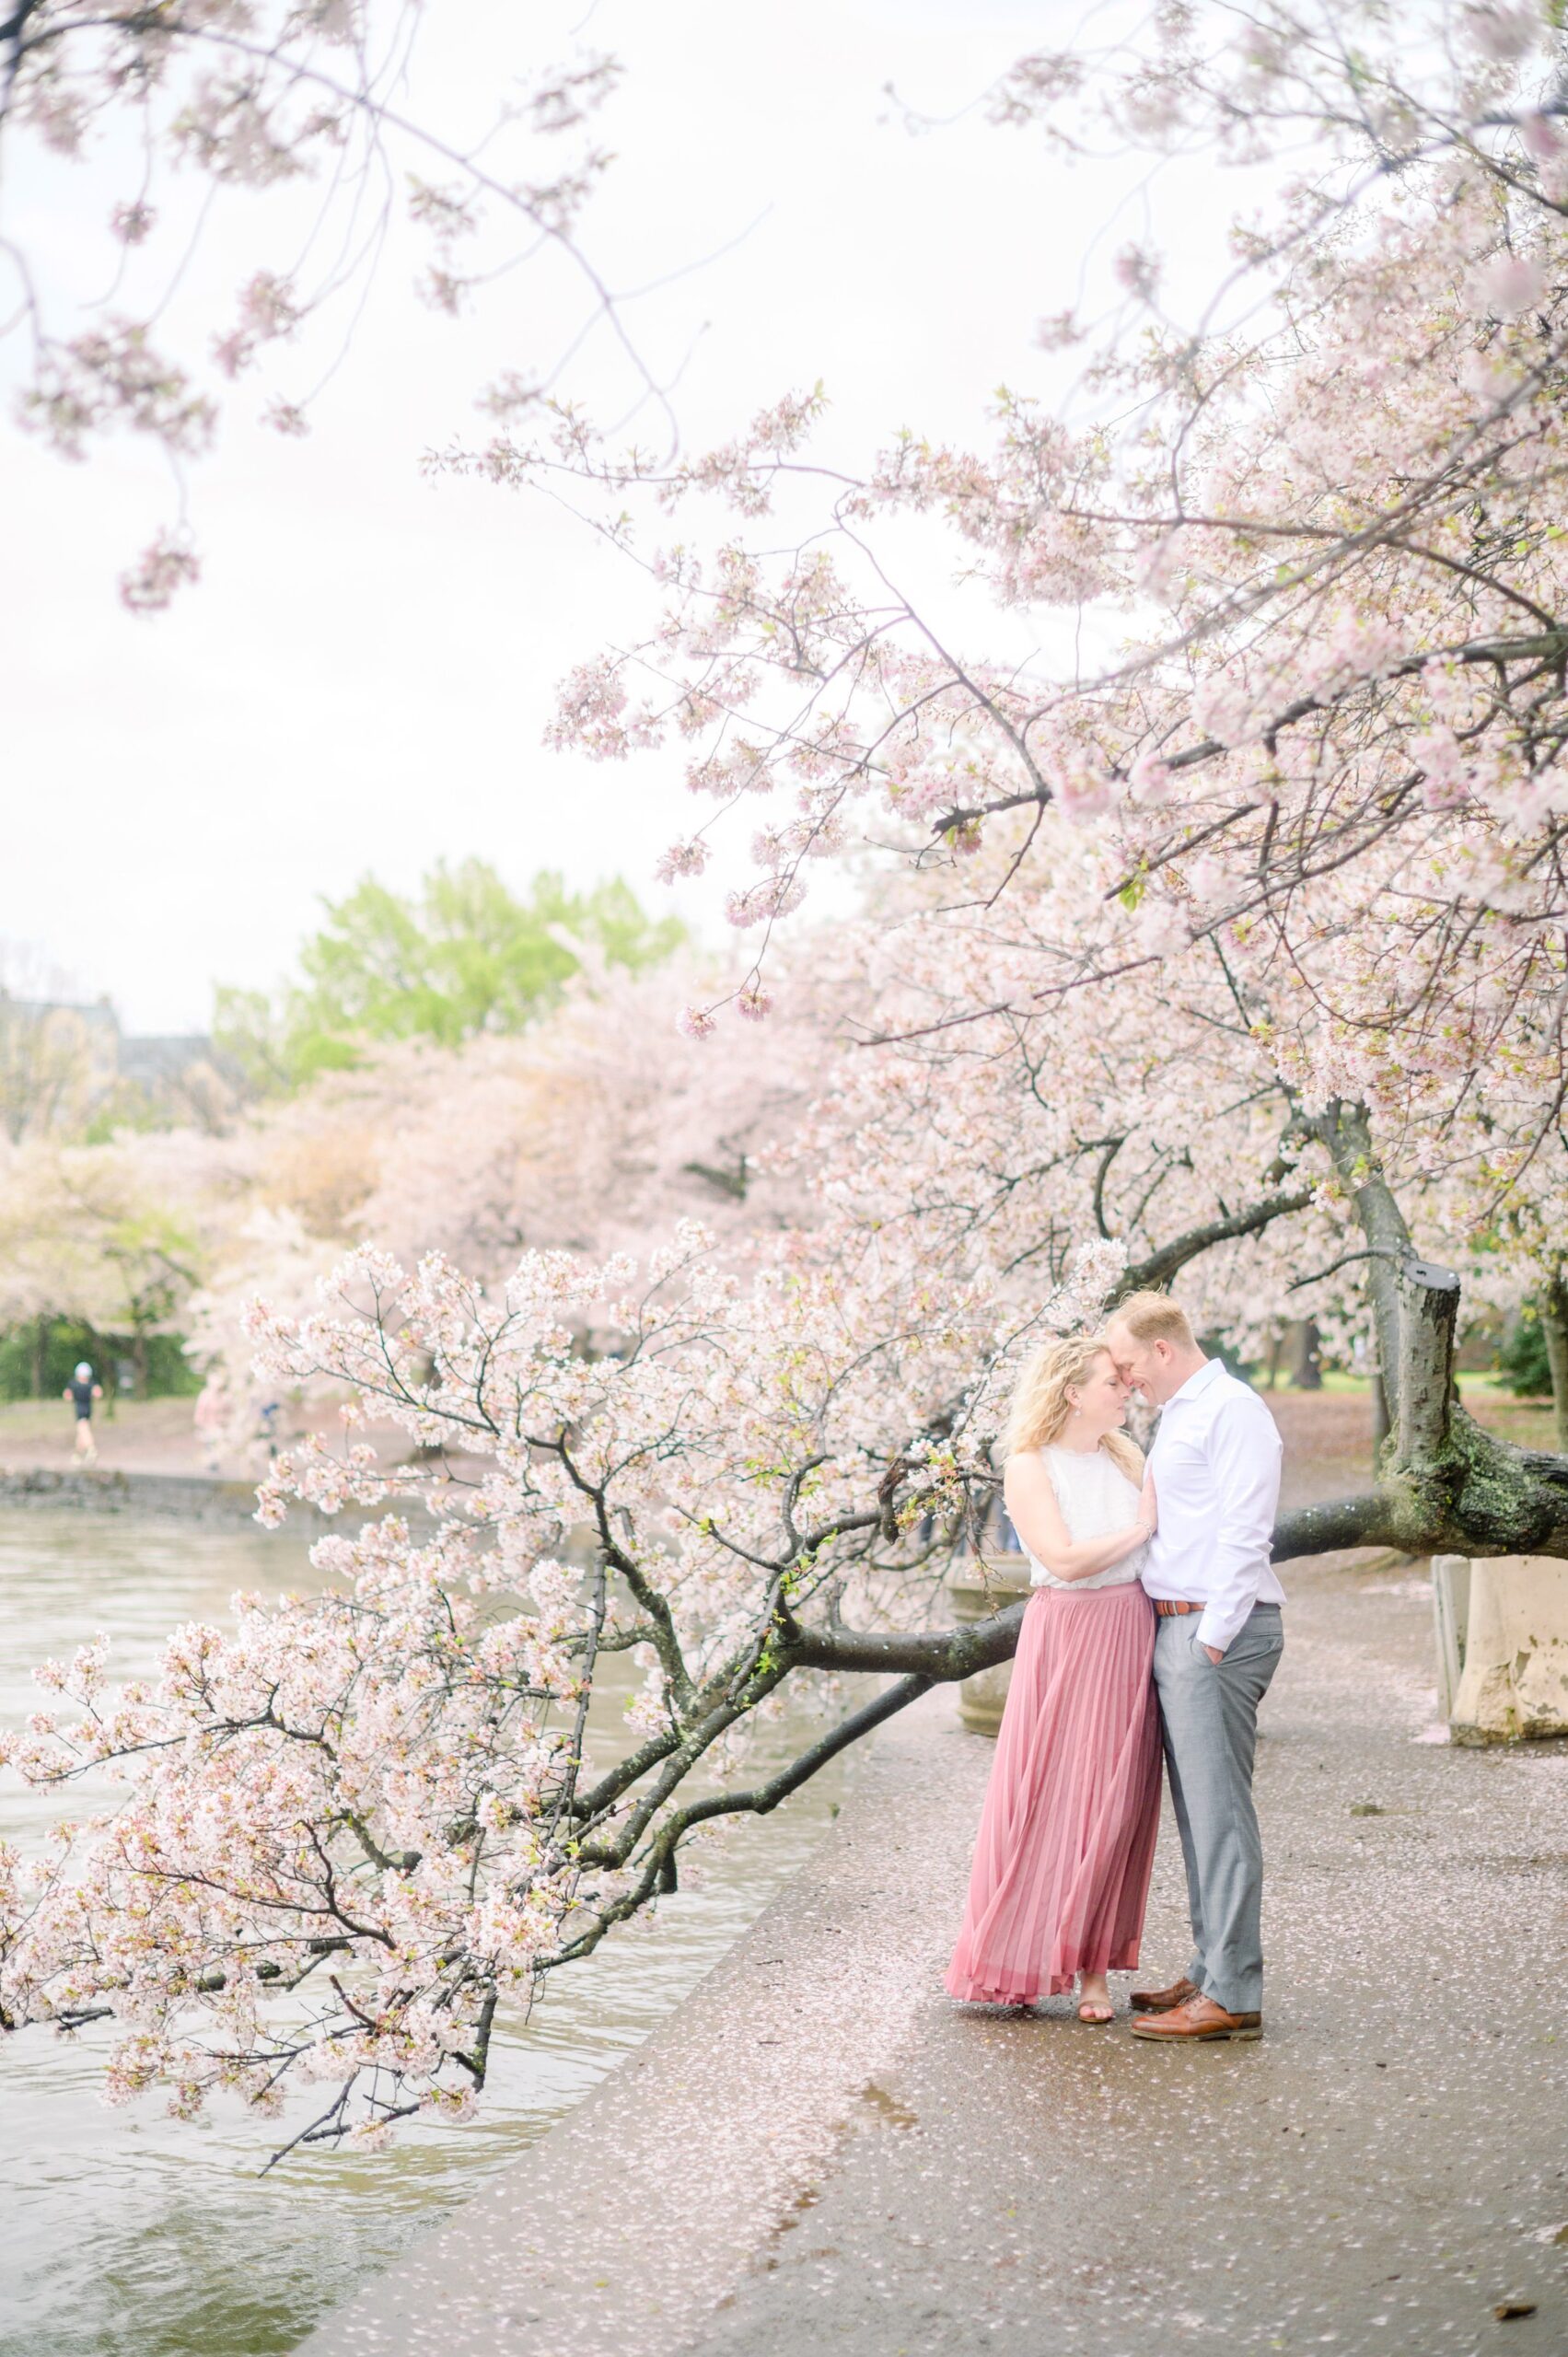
162, 570
1508, 284
682, 859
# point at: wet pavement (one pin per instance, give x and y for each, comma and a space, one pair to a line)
818, 2153
1386, 2168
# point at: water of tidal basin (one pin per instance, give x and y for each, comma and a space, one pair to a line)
126, 2235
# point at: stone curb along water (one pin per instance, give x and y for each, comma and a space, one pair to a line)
187, 1497
200, 1497
631, 2224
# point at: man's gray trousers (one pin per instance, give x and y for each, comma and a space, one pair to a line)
1208, 1717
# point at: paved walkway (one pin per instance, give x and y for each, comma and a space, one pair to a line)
819, 2154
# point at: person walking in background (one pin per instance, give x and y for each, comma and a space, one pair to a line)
82, 1391
1215, 1468
1061, 1874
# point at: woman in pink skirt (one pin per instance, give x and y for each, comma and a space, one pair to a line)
1060, 1875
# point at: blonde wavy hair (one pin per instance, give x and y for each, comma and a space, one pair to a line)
1040, 1404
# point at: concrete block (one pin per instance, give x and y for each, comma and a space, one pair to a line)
1514, 1680
1450, 1611
979, 1588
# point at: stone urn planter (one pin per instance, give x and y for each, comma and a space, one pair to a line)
978, 1586
1513, 1651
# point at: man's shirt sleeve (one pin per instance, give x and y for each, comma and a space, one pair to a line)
1244, 1452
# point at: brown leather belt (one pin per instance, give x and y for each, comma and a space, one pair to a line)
1166, 1605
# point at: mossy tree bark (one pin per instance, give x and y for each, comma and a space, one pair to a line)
1444, 1484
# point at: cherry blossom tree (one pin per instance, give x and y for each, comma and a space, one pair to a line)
115, 1235
1224, 941
1320, 515
595, 1130
381, 1806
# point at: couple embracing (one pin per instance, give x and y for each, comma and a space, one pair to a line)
1155, 1619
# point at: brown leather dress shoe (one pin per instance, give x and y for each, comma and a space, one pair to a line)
1198, 2021
1160, 2001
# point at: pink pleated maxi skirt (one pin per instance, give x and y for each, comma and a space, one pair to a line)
1066, 1847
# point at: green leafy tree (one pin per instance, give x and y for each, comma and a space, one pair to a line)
463, 954
1523, 1363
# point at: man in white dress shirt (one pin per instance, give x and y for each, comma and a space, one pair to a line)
1215, 1463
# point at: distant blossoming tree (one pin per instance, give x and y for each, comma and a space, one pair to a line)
595, 1129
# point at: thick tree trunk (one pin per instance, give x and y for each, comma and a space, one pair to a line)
1429, 1309
1554, 1326
1446, 1486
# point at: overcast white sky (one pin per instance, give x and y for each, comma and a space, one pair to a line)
361, 680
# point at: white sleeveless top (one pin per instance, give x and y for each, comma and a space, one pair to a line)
1095, 1496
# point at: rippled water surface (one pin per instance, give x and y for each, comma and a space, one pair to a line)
127, 2236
